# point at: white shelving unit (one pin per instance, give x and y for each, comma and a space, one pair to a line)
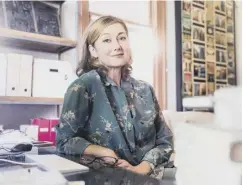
40, 46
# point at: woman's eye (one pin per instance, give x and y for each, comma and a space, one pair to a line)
107, 40
123, 38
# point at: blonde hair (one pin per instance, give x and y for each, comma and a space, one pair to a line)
91, 34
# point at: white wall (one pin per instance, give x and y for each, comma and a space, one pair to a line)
238, 46
171, 55
69, 25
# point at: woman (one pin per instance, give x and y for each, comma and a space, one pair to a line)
108, 113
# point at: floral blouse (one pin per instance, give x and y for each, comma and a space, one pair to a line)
126, 119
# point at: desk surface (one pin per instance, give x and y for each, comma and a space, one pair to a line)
107, 176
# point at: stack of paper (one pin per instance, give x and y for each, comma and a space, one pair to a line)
228, 108
198, 102
31, 176
203, 155
57, 163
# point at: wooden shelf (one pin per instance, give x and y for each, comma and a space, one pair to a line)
30, 100
33, 41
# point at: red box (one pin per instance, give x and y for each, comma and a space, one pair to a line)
46, 131
53, 123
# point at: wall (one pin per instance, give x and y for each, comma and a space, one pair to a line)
171, 50
238, 30
171, 55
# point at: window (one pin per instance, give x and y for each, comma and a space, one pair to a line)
143, 47
123, 9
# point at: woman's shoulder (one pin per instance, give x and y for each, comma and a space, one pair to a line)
90, 77
87, 79
140, 84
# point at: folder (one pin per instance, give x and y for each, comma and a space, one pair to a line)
25, 80
13, 72
44, 133
3, 74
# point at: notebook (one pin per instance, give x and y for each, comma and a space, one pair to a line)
57, 163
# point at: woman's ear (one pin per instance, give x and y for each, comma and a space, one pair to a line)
92, 51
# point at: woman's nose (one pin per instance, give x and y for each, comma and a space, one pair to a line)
116, 45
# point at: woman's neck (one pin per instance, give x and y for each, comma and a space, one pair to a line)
115, 75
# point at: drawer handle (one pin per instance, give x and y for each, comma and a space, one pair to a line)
54, 70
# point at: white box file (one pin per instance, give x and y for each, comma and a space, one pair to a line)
51, 78
3, 74
13, 73
25, 79
19, 75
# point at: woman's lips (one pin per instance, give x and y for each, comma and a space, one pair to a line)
119, 55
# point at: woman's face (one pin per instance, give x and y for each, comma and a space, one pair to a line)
112, 47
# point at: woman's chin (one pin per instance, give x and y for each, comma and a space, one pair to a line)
118, 63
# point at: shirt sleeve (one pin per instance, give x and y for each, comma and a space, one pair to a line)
74, 115
161, 153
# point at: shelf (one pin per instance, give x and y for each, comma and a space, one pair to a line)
33, 41
198, 5
30, 100
198, 23
57, 2
53, 2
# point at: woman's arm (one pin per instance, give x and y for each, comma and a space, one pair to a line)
161, 153
99, 151
69, 132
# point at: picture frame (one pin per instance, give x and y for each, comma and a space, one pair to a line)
198, 33
220, 22
211, 88
220, 39
221, 73
199, 89
210, 53
199, 71
198, 15
205, 47
221, 56
199, 51
31, 16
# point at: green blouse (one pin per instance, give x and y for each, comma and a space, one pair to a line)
126, 119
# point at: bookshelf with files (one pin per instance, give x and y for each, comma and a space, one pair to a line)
57, 42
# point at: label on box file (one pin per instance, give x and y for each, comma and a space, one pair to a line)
44, 129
